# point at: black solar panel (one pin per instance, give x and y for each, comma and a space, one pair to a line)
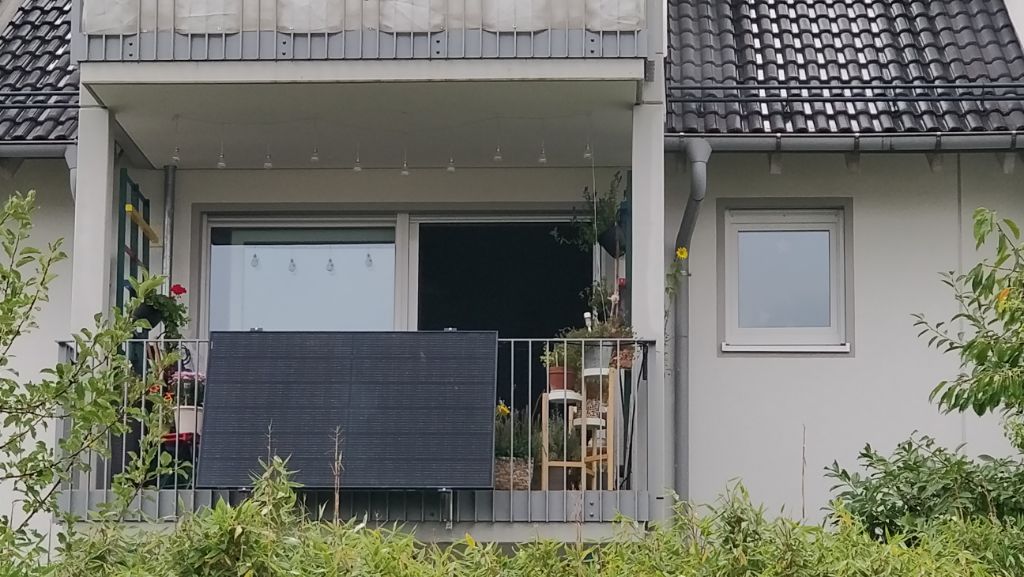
415, 410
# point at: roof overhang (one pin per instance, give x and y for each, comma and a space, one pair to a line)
854, 142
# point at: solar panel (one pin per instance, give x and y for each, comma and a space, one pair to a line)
414, 410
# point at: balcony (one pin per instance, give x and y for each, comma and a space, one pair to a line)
281, 30
569, 445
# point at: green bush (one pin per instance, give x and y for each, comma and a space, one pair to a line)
266, 536
923, 482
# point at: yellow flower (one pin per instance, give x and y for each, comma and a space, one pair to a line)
503, 409
682, 253
1003, 295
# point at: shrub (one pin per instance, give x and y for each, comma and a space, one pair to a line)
923, 482
266, 536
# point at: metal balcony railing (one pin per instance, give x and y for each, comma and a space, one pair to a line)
571, 441
201, 30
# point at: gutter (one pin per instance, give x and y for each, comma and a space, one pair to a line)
698, 151
29, 149
851, 142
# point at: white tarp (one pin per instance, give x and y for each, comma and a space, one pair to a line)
325, 16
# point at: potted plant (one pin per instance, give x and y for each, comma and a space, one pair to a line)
166, 309
603, 223
514, 444
188, 413
562, 362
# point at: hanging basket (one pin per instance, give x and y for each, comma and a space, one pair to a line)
613, 241
149, 313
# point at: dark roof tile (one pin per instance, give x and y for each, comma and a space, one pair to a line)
34, 57
843, 41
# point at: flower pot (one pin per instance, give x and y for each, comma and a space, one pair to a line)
613, 241
512, 474
597, 358
148, 313
561, 378
188, 419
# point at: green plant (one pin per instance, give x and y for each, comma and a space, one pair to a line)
602, 215
268, 535
563, 442
514, 435
991, 342
922, 482
83, 394
173, 313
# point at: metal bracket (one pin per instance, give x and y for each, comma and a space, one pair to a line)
775, 158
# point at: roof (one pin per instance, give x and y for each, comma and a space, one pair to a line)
893, 42
35, 55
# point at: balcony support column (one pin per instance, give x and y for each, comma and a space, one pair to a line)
647, 259
92, 265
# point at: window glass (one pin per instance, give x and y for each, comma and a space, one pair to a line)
294, 279
784, 279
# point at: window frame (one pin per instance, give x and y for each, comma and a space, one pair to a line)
831, 339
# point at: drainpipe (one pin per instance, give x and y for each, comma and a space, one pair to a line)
698, 151
170, 174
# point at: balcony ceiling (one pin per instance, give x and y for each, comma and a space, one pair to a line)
428, 121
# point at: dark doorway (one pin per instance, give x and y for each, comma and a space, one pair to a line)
513, 278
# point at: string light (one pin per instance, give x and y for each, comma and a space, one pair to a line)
588, 152
176, 157
451, 163
543, 158
221, 163
315, 157
267, 162
405, 165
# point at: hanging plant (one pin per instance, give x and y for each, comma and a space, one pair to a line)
602, 225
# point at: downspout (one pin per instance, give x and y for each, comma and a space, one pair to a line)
170, 174
698, 151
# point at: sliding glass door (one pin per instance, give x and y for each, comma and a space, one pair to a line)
302, 279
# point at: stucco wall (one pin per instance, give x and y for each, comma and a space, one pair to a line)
748, 412
54, 218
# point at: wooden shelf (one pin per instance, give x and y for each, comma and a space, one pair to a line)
140, 222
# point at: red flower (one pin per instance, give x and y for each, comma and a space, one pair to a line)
177, 290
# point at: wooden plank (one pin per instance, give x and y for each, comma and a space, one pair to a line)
140, 222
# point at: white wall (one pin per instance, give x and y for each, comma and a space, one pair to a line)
747, 412
54, 218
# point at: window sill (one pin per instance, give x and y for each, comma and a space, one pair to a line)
812, 349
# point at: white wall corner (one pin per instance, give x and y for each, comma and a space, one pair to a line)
1016, 10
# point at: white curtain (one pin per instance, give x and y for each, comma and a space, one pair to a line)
325, 16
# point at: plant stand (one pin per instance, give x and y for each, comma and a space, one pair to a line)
596, 464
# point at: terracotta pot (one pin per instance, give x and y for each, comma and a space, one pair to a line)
561, 378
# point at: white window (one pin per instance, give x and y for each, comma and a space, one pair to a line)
785, 285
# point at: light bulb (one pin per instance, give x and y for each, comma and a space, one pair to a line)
451, 164
315, 157
588, 152
357, 167
221, 163
176, 157
267, 163
497, 154
543, 158
405, 169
